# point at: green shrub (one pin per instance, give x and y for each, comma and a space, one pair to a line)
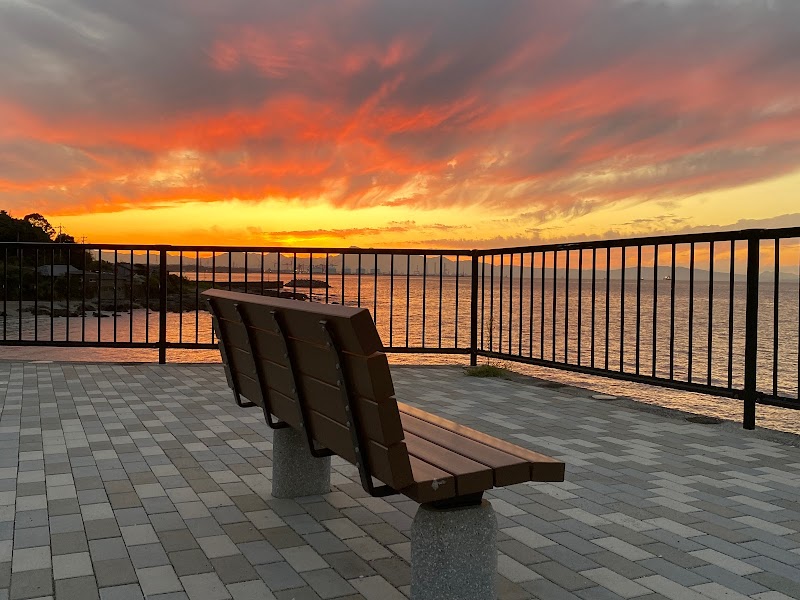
485, 371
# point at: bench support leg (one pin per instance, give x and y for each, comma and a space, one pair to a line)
454, 553
294, 471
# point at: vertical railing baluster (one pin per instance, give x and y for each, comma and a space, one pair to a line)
53, 291
230, 270
99, 289
197, 292
83, 294
115, 282
530, 309
672, 317
458, 281
375, 292
279, 285
358, 281
655, 307
691, 312
21, 260
491, 306
500, 307
730, 313
543, 295
391, 299
624, 252
424, 293
5, 293
710, 308
521, 271
608, 305
69, 291
213, 283
441, 287
180, 292
408, 294
246, 269
510, 300
473, 311
36, 297
343, 268
555, 301
566, 308
294, 277
594, 305
262, 274
162, 305
580, 304
751, 332
327, 277
483, 300
638, 305
130, 303
775, 307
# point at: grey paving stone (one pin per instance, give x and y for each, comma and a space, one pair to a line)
190, 562
233, 569
260, 552
349, 565
328, 584
148, 555
122, 592
31, 584
78, 588
280, 576
67, 543
114, 572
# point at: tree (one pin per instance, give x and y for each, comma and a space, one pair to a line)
37, 220
64, 238
21, 230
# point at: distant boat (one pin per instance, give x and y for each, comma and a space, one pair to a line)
667, 278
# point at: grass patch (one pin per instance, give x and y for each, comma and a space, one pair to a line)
485, 371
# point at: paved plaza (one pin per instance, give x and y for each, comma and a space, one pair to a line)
124, 482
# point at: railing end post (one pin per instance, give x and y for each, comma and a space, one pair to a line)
473, 314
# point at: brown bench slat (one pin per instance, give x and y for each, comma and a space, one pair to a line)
507, 468
354, 328
388, 463
471, 477
431, 484
543, 468
368, 375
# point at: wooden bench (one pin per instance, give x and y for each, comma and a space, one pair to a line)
320, 376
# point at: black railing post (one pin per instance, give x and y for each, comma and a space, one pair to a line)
751, 331
473, 312
162, 307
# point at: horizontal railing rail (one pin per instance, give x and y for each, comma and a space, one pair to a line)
715, 313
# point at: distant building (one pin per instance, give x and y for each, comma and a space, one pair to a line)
59, 270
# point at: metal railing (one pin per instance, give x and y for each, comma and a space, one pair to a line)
716, 313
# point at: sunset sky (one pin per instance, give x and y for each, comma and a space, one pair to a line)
438, 123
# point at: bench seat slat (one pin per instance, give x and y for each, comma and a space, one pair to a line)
507, 469
430, 484
542, 468
471, 477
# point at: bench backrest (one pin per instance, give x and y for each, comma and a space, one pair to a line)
278, 355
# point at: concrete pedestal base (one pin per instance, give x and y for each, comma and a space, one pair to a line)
294, 471
454, 553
